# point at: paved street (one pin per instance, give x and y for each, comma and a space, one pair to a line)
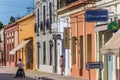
8, 73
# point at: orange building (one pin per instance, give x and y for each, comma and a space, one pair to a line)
26, 45
83, 49
82, 37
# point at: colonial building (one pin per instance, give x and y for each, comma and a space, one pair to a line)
2, 47
25, 47
64, 29
82, 47
46, 47
11, 41
103, 33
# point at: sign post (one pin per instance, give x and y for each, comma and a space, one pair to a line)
94, 65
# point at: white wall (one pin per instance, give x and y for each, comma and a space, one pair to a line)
62, 22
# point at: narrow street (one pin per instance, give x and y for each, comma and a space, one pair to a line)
8, 73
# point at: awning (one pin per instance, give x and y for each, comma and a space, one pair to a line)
22, 44
112, 46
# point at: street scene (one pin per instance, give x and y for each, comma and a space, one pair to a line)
8, 73
59, 40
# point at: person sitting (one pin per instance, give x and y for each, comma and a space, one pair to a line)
20, 72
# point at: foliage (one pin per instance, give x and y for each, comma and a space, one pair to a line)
1, 25
12, 19
0, 39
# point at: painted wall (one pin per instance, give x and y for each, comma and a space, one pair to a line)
2, 53
109, 71
64, 22
83, 50
47, 54
26, 31
11, 41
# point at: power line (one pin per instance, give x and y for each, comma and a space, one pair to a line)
14, 2
13, 11
11, 5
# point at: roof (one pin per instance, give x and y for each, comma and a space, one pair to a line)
28, 16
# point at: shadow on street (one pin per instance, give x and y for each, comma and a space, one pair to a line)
10, 76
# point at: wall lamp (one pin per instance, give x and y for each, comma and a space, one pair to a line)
38, 44
51, 42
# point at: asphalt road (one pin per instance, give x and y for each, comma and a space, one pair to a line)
10, 76
8, 73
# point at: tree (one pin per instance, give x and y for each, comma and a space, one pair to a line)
1, 25
12, 19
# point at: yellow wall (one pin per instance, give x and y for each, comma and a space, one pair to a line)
26, 30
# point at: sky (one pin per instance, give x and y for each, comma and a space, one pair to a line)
16, 8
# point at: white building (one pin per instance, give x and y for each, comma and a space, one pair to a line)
46, 56
111, 65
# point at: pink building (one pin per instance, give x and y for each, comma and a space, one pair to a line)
11, 41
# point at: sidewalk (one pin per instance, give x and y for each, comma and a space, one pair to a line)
38, 74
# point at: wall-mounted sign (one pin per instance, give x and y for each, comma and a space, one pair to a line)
66, 37
56, 36
97, 15
113, 26
94, 65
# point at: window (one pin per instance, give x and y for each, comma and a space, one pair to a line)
44, 52
35, 28
73, 50
81, 51
38, 53
41, 25
7, 50
70, 1
38, 19
89, 48
44, 18
81, 55
12, 56
50, 10
51, 53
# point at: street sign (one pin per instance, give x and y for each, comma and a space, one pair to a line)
56, 36
97, 15
94, 65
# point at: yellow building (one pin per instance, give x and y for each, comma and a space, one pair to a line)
26, 41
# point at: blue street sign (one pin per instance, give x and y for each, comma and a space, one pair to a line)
94, 65
96, 15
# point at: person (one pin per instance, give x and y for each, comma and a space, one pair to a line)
20, 71
62, 64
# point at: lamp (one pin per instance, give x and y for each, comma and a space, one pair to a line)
38, 44
51, 42
75, 40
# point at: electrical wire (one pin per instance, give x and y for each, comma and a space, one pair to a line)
14, 2
13, 11
11, 5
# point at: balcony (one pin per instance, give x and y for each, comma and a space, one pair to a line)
69, 5
70, 1
63, 3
